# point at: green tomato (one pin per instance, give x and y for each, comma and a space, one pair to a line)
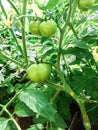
34, 27
85, 4
48, 28
39, 72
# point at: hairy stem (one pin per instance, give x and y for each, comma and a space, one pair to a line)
12, 99
3, 56
14, 36
3, 10
14, 7
67, 88
16, 124
86, 121
23, 31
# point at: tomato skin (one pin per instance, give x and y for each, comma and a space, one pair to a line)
39, 72
85, 4
34, 27
48, 28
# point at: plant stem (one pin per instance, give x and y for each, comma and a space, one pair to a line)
86, 121
72, 28
91, 109
1, 105
61, 39
3, 10
66, 65
67, 88
55, 86
10, 59
54, 97
14, 7
12, 99
14, 36
16, 124
23, 31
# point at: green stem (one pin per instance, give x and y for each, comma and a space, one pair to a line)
3, 10
54, 97
14, 7
37, 127
12, 99
61, 39
66, 65
23, 31
80, 102
10, 59
91, 101
16, 124
91, 109
86, 121
67, 88
55, 86
14, 36
72, 28
1, 105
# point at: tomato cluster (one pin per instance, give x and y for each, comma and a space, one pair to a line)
46, 28
39, 72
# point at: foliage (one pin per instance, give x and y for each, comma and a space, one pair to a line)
72, 52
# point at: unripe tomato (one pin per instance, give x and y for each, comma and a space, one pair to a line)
34, 27
85, 4
39, 72
48, 28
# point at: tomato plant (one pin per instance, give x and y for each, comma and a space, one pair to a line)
49, 79
39, 72
48, 28
34, 27
85, 4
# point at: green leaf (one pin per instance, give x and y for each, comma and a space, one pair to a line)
38, 103
11, 126
63, 106
36, 127
22, 110
49, 52
3, 123
92, 110
93, 17
51, 4
7, 124
87, 82
81, 44
59, 122
39, 119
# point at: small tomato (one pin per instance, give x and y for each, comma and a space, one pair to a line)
48, 28
39, 72
34, 27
